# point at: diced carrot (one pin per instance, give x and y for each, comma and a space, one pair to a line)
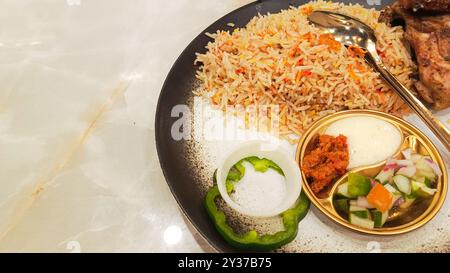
298, 77
294, 50
306, 10
239, 70
328, 39
264, 49
308, 36
380, 197
325, 37
360, 67
299, 62
356, 51
306, 73
351, 73
301, 74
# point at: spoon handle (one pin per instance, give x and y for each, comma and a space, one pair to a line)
439, 129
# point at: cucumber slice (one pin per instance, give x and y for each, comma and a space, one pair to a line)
426, 174
425, 191
353, 203
361, 214
421, 165
359, 211
420, 179
415, 186
429, 183
342, 205
379, 218
420, 189
356, 208
361, 222
403, 184
358, 185
343, 190
415, 157
385, 176
408, 171
424, 170
393, 190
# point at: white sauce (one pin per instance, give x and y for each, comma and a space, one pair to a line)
370, 139
259, 191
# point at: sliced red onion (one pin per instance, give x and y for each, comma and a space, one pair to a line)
407, 153
404, 162
434, 166
408, 171
390, 166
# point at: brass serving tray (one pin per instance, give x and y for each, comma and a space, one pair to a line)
403, 221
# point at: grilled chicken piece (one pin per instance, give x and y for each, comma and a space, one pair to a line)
429, 37
427, 5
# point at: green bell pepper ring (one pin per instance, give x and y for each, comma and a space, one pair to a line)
252, 240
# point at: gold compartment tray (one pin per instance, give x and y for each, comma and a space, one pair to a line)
399, 222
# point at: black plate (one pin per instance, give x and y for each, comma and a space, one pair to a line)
177, 89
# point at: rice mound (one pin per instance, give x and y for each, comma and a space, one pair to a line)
281, 59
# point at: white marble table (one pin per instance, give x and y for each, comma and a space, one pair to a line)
79, 82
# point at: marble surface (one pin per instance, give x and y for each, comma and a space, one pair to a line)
79, 82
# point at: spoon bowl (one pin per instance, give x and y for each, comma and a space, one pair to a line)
352, 32
346, 30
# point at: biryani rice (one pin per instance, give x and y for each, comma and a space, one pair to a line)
280, 59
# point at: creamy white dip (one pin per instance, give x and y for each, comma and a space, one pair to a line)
259, 191
370, 139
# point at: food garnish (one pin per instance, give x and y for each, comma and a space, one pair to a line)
380, 198
251, 240
368, 202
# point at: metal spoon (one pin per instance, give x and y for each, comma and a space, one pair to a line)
350, 31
